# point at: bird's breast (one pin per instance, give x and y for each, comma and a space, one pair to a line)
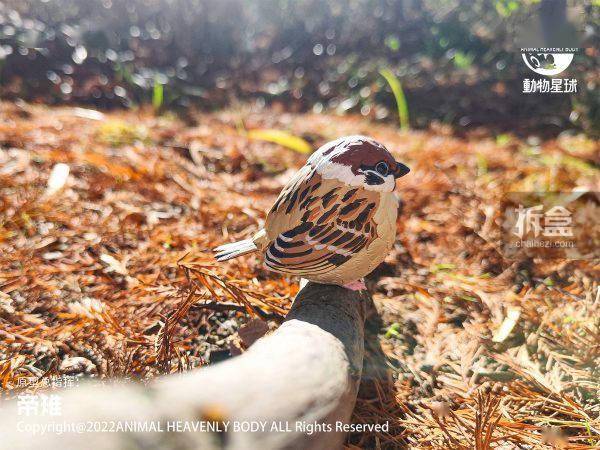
386, 214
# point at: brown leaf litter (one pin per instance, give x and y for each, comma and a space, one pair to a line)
106, 224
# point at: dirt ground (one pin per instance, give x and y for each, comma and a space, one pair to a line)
471, 349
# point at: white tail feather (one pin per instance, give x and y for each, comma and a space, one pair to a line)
235, 249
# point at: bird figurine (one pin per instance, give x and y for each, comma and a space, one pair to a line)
335, 220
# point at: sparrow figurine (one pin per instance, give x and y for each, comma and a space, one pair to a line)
335, 221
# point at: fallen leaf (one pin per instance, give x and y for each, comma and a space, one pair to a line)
57, 180
114, 265
509, 322
85, 113
282, 138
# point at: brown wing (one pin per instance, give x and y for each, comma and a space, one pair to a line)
317, 225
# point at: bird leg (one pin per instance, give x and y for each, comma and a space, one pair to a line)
356, 285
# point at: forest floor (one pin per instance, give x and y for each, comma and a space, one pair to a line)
111, 262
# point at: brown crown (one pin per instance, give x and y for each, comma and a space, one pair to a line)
359, 150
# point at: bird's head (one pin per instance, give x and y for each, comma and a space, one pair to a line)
358, 161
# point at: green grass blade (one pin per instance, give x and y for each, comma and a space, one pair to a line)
157, 96
396, 87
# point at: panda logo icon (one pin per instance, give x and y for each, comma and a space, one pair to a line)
547, 63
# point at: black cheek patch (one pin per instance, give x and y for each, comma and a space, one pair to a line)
373, 179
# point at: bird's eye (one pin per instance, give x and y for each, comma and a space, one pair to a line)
382, 168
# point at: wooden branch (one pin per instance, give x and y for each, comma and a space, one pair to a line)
304, 375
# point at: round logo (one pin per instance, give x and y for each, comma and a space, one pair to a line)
547, 63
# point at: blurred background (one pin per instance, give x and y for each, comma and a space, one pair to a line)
458, 61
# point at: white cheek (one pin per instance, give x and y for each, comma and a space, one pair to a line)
335, 171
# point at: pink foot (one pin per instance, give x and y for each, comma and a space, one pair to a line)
356, 285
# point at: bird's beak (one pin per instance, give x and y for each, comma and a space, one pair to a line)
400, 170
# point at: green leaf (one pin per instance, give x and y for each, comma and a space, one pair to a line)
393, 330
482, 164
157, 96
503, 139
393, 43
444, 266
463, 60
506, 8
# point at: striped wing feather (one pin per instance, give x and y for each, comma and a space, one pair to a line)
317, 225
